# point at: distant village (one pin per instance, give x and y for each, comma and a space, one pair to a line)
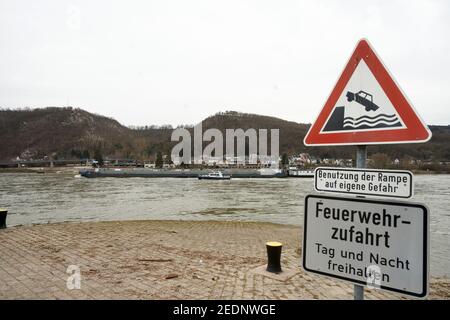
301, 161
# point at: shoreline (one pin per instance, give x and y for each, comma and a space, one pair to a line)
212, 221
164, 259
76, 170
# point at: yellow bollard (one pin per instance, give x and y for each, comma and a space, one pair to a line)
274, 256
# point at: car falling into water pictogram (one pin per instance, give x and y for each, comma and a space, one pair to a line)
363, 98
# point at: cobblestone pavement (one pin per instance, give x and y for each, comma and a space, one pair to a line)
162, 260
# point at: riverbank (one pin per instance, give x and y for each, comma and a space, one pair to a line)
76, 170
156, 259
43, 170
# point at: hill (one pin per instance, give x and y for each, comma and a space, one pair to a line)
63, 132
69, 133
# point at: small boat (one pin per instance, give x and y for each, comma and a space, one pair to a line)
301, 173
217, 175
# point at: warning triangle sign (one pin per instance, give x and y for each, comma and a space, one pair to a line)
366, 106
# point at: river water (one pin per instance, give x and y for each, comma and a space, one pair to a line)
43, 198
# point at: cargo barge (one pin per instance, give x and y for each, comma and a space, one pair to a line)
178, 173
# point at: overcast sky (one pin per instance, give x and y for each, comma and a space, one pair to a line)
176, 62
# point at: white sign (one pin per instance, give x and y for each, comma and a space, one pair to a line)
386, 183
377, 243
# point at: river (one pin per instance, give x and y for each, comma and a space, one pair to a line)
44, 198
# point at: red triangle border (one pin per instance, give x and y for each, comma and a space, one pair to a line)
416, 131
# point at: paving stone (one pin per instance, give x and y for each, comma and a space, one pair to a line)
131, 260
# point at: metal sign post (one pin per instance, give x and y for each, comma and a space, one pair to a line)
366, 107
361, 157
